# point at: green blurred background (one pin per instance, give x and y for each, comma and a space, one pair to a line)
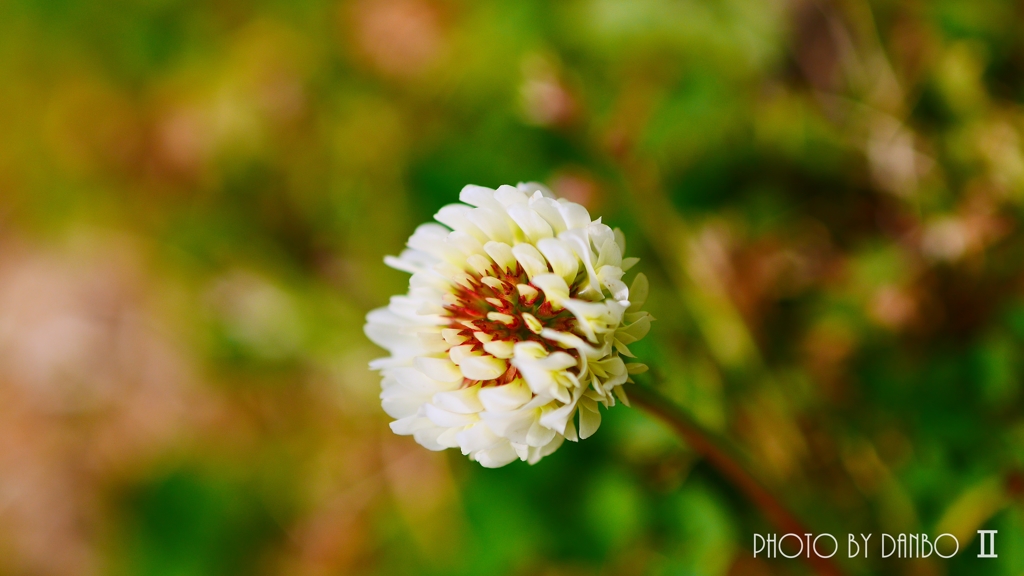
195, 199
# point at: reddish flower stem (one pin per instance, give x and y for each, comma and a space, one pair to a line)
720, 454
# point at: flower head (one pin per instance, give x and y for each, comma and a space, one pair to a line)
516, 321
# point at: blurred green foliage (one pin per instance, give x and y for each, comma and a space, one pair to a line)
195, 199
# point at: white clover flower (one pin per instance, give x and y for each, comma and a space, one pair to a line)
516, 320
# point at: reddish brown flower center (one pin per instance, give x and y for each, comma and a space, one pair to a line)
496, 308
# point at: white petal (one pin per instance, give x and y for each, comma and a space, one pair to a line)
441, 369
502, 254
600, 234
446, 419
403, 264
412, 260
532, 188
527, 293
494, 224
461, 401
495, 284
511, 425
478, 437
506, 319
455, 216
496, 457
400, 403
531, 260
537, 453
389, 330
554, 287
430, 238
449, 438
453, 336
592, 317
539, 435
545, 376
482, 367
479, 196
563, 261
460, 353
505, 398
532, 323
590, 418
410, 425
610, 278
609, 254
533, 226
432, 342
465, 243
500, 348
557, 361
479, 263
522, 450
620, 239
530, 349
508, 196
427, 437
570, 340
575, 216
580, 244
559, 419
416, 382
547, 208
570, 431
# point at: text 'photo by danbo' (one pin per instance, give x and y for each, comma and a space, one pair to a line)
512, 288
